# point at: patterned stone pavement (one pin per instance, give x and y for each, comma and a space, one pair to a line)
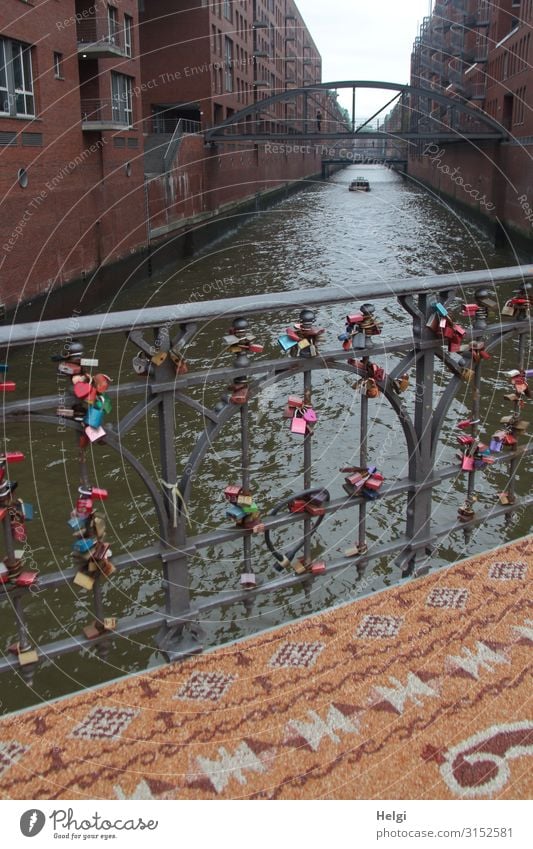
419, 692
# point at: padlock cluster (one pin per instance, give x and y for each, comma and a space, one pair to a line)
475, 454
362, 481
479, 310
367, 384
359, 327
314, 505
302, 339
243, 509
147, 360
302, 416
90, 552
477, 351
442, 324
521, 302
241, 342
91, 403
14, 513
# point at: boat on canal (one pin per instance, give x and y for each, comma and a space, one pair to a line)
360, 184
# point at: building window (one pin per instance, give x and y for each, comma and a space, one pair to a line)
58, 66
228, 63
16, 82
228, 10
121, 99
128, 30
112, 24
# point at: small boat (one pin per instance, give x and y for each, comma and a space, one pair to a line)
360, 184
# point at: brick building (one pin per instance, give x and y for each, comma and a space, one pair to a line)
205, 61
91, 93
480, 53
71, 180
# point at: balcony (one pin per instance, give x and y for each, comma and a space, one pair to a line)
98, 115
475, 90
98, 39
481, 51
457, 36
455, 76
481, 17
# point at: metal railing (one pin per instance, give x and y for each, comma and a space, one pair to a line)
431, 336
184, 127
100, 31
105, 111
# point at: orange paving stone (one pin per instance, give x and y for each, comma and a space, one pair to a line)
418, 692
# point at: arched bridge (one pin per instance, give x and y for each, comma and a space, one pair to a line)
310, 114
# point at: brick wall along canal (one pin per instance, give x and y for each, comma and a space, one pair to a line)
322, 236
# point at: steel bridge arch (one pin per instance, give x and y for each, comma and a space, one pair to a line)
493, 127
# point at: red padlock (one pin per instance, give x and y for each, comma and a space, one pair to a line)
101, 382
297, 506
12, 457
99, 494
318, 568
8, 386
84, 506
26, 579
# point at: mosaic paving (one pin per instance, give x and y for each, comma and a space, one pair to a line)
420, 692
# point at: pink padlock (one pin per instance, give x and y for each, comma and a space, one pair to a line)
310, 415
94, 433
469, 309
19, 532
467, 464
298, 425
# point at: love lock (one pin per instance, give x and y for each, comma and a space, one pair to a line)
315, 499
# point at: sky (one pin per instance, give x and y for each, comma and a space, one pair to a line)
365, 40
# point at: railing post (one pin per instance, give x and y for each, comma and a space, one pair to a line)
170, 638
419, 497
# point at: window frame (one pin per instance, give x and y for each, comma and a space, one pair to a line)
128, 35
228, 64
122, 99
58, 65
17, 62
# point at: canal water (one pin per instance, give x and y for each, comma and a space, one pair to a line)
322, 236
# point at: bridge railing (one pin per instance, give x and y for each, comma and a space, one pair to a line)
431, 331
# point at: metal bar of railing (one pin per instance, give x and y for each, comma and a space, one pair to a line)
91, 325
132, 625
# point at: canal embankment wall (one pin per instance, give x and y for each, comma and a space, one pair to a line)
490, 182
206, 194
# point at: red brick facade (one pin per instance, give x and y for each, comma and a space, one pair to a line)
481, 54
74, 206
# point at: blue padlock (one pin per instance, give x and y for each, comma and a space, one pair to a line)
369, 493
84, 545
4, 367
441, 310
94, 417
496, 445
235, 512
27, 510
286, 343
